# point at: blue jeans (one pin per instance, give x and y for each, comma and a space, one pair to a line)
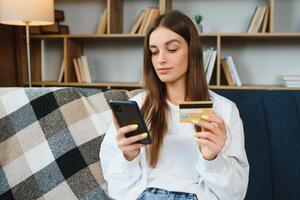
160, 194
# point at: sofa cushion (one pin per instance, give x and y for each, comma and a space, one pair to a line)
282, 112
50, 140
251, 108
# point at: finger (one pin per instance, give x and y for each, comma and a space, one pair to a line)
214, 118
125, 129
131, 148
211, 145
207, 135
132, 139
195, 122
209, 126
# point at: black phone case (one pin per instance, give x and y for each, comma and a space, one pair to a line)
128, 112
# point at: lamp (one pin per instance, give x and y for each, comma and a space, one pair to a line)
27, 13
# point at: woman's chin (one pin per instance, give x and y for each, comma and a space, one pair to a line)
166, 79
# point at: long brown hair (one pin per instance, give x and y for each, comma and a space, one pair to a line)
155, 108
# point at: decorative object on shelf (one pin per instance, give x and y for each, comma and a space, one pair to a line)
27, 13
198, 19
56, 28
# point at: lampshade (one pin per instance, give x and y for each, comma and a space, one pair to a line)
35, 12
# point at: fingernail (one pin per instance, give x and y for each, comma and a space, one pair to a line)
204, 116
144, 135
134, 126
194, 121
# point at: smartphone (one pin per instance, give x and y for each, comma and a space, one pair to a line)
128, 112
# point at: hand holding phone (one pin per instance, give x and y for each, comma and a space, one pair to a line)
132, 132
128, 113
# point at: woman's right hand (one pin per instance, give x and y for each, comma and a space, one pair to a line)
129, 146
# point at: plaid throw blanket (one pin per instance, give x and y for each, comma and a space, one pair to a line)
50, 140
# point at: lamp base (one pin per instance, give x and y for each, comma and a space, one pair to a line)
28, 53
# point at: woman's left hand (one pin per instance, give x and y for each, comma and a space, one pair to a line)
212, 137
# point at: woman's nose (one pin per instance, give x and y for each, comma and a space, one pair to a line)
162, 57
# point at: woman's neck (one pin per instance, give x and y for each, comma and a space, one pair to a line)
176, 92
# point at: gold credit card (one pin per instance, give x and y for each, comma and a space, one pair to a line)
194, 109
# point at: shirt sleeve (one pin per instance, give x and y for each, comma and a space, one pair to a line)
125, 179
227, 175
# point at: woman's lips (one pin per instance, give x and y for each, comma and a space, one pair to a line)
163, 70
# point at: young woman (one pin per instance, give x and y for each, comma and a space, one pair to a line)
205, 159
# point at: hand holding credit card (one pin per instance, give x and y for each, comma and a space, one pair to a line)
194, 109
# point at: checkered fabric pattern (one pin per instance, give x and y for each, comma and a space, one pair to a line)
50, 140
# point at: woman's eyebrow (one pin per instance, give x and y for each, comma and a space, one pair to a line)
171, 41
166, 43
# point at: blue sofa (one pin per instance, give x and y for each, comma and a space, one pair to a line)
47, 125
272, 141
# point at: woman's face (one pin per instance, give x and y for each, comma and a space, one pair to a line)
169, 55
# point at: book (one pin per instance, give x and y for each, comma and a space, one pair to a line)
59, 15
64, 29
234, 71
259, 22
252, 20
137, 23
210, 67
102, 25
81, 71
147, 12
291, 83
51, 29
266, 20
154, 12
256, 21
61, 71
207, 57
290, 77
86, 69
77, 70
35, 30
227, 73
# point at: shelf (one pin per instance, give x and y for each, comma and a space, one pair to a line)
94, 84
141, 36
253, 88
89, 36
112, 36
260, 35
137, 85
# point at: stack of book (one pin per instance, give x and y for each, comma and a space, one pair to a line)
143, 20
82, 70
228, 66
291, 80
209, 60
230, 71
55, 28
259, 20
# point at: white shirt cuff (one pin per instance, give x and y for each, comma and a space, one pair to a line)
213, 166
130, 167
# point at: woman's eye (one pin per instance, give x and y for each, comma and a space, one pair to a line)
172, 50
154, 52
